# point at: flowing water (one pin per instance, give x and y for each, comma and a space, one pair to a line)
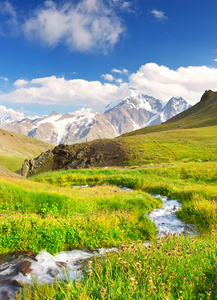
17, 268
166, 220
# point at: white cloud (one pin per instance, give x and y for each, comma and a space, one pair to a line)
151, 79
123, 71
8, 18
86, 26
59, 91
160, 15
108, 77
4, 78
9, 112
215, 59
123, 5
164, 83
20, 82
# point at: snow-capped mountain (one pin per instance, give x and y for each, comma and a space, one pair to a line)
118, 117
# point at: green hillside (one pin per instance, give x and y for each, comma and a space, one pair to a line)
15, 148
184, 145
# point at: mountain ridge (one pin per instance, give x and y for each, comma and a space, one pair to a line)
124, 115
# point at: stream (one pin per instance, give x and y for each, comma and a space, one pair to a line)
23, 267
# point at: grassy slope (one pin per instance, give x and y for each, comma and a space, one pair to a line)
15, 148
169, 146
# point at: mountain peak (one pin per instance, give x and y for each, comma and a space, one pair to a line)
54, 113
136, 101
176, 99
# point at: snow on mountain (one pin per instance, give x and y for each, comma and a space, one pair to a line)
137, 101
118, 117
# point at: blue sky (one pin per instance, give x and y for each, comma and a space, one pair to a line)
68, 54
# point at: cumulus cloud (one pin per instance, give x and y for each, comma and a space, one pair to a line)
215, 59
86, 26
108, 77
158, 81
20, 82
123, 71
59, 91
160, 15
9, 112
164, 83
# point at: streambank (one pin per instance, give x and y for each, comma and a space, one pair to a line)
17, 268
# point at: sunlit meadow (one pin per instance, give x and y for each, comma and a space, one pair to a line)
57, 211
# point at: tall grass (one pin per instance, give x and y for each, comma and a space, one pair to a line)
173, 268
60, 219
194, 184
50, 212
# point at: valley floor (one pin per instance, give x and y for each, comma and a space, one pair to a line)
88, 209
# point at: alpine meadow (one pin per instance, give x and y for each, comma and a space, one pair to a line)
99, 194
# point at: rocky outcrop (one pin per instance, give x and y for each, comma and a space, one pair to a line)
42, 163
99, 153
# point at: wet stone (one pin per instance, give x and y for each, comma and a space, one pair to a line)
23, 267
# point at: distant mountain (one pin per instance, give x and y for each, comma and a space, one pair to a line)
119, 117
203, 113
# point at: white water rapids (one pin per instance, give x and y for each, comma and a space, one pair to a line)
43, 266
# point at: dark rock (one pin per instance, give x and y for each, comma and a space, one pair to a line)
42, 163
24, 267
99, 153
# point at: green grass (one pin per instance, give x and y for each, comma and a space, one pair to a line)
170, 146
171, 268
12, 163
15, 148
37, 216
35, 212
53, 212
193, 183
